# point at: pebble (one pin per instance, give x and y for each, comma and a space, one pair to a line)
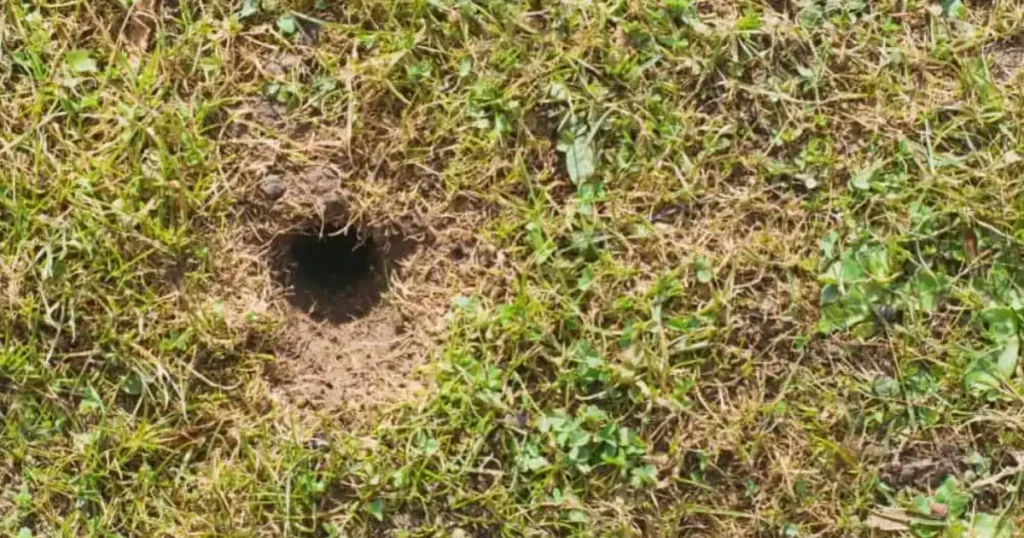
272, 187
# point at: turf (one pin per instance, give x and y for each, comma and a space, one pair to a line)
683, 267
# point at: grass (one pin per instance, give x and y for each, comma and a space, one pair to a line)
732, 268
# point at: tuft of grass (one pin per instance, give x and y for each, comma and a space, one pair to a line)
726, 268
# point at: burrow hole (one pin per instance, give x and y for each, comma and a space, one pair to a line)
335, 274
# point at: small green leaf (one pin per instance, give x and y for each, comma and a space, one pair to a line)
287, 24
80, 61
952, 8
90, 401
886, 387
533, 463
862, 180
1002, 323
23, 499
580, 159
1007, 363
990, 526
133, 384
705, 273
465, 67
586, 279
830, 294
558, 91
644, 476
25, 532
430, 446
951, 495
249, 8
979, 380
929, 289
577, 516
923, 505
376, 509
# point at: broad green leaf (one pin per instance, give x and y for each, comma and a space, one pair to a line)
877, 262
1003, 331
929, 288
580, 160
376, 509
979, 380
862, 179
839, 316
287, 24
1002, 323
886, 387
990, 526
80, 61
952, 495
533, 463
133, 384
828, 245
830, 294
1007, 363
851, 269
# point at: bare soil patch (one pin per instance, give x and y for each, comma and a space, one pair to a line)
348, 365
344, 341
1007, 62
357, 295
353, 251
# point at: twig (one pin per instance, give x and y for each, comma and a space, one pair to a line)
994, 479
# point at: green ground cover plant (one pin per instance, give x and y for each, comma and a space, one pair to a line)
660, 268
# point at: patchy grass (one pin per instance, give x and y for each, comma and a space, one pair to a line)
673, 268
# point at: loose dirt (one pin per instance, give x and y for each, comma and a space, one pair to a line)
1007, 62
344, 342
362, 362
354, 321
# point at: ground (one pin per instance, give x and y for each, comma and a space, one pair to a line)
497, 268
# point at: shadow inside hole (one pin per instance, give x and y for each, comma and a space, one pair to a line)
335, 277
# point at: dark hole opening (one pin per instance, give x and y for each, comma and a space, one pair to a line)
336, 277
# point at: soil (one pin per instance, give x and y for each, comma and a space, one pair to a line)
345, 343
1007, 62
354, 364
357, 346
925, 467
354, 321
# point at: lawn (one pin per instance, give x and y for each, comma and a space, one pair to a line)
481, 268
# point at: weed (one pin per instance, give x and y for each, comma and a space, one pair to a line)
733, 268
